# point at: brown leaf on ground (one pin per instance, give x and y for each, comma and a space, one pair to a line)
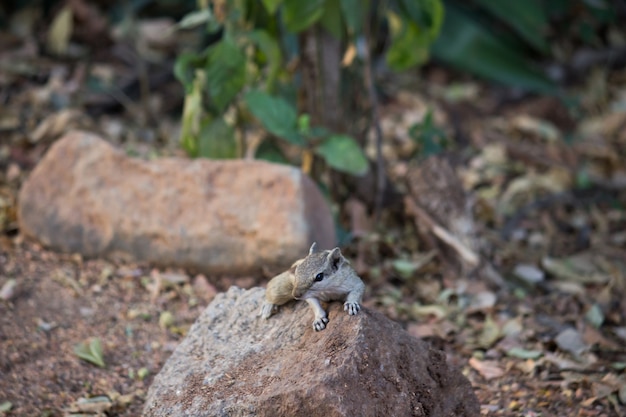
488, 369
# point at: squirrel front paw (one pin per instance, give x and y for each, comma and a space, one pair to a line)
351, 308
320, 323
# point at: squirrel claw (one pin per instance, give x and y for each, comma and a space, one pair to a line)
352, 308
320, 324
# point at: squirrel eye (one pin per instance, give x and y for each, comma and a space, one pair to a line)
319, 276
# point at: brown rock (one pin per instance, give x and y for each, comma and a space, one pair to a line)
233, 363
230, 217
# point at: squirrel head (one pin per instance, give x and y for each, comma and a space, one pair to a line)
316, 271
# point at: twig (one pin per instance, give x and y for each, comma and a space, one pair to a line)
371, 90
467, 254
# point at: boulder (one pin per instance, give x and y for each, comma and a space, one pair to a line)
218, 217
233, 363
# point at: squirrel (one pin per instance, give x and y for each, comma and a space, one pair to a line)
320, 276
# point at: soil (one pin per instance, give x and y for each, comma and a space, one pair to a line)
61, 301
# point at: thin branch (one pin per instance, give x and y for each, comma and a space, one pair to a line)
373, 98
467, 254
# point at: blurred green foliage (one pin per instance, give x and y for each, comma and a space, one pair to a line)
247, 72
504, 40
470, 45
429, 137
246, 76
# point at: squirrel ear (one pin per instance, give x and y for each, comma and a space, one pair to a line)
313, 249
334, 257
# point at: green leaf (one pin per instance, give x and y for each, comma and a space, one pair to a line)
437, 14
521, 353
268, 151
192, 114
195, 18
409, 45
595, 316
583, 179
304, 124
528, 18
465, 44
344, 154
143, 373
404, 267
428, 136
276, 114
217, 140
317, 132
331, 19
270, 48
427, 14
185, 66
225, 73
91, 352
299, 15
415, 10
6, 406
271, 6
354, 13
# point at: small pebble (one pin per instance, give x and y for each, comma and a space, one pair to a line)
529, 273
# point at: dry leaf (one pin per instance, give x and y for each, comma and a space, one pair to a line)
512, 327
528, 366
348, 56
420, 311
529, 273
56, 124
360, 223
93, 405
172, 279
524, 189
8, 290
541, 128
482, 301
61, 31
490, 334
560, 362
570, 340
578, 269
488, 369
421, 330
593, 336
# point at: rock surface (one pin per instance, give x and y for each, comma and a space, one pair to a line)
218, 217
232, 363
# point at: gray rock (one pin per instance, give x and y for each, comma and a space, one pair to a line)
219, 217
233, 363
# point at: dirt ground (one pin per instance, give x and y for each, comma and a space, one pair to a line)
60, 301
